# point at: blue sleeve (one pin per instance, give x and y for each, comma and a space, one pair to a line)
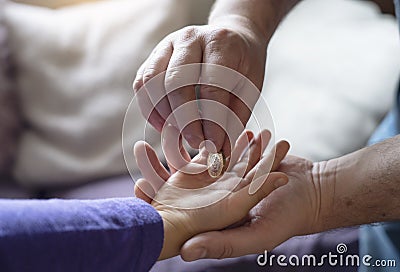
79, 235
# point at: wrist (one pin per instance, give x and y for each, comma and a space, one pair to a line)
342, 182
244, 26
324, 178
174, 236
263, 16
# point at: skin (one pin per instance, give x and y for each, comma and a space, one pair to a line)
182, 224
236, 36
359, 188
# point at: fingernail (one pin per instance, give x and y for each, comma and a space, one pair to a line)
198, 253
280, 182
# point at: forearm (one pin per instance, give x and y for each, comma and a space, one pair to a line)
72, 235
262, 16
362, 187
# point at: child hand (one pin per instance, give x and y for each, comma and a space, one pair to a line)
191, 204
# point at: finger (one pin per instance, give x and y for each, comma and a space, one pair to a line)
149, 111
226, 146
179, 75
232, 131
153, 78
215, 115
234, 127
144, 190
280, 154
149, 165
242, 106
225, 244
270, 162
138, 81
152, 165
146, 107
239, 241
173, 154
242, 100
240, 202
240, 146
264, 167
252, 154
256, 150
184, 153
246, 94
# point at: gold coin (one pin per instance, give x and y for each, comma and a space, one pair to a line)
215, 164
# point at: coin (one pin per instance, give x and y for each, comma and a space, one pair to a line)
215, 164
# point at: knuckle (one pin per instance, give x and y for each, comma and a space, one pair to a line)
227, 251
148, 74
188, 34
221, 34
137, 84
226, 37
178, 77
228, 41
189, 30
173, 76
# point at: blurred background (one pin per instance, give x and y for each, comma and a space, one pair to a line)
67, 66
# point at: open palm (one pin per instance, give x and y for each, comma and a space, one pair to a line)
194, 203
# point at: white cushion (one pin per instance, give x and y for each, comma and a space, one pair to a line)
76, 69
333, 67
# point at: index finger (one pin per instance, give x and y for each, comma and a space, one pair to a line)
214, 118
182, 97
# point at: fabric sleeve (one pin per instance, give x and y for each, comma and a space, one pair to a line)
79, 235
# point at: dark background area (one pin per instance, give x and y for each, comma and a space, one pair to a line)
386, 6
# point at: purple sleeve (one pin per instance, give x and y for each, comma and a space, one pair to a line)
79, 235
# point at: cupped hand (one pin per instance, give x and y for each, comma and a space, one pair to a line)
195, 203
288, 211
235, 44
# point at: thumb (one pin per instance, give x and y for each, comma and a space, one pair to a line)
224, 244
144, 190
247, 239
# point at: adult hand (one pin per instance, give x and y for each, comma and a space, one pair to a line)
206, 204
288, 211
234, 43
